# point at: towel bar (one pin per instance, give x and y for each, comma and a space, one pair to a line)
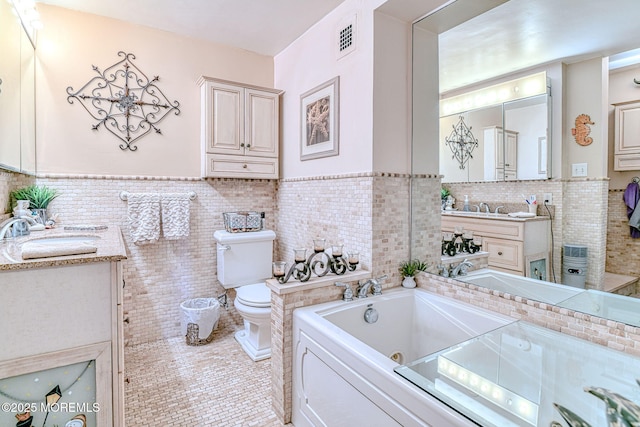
125, 194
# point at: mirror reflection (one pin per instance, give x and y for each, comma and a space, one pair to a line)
17, 94
518, 38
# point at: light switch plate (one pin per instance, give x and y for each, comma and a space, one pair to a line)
579, 169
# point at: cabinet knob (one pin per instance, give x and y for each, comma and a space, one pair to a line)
500, 253
242, 144
244, 166
506, 164
248, 145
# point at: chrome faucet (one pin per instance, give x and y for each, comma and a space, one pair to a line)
486, 207
461, 269
497, 210
18, 226
477, 208
373, 284
348, 292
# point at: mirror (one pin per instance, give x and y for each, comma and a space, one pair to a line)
504, 45
17, 94
509, 136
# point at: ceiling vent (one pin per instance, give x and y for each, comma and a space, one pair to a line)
346, 40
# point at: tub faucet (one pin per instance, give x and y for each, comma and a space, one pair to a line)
461, 269
348, 292
373, 284
486, 207
18, 226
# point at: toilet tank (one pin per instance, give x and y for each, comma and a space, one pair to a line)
244, 258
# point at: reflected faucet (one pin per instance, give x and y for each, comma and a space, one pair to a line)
461, 269
486, 207
18, 226
497, 210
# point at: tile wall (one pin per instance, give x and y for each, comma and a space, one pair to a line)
623, 252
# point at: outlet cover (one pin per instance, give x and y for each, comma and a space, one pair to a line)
579, 169
548, 198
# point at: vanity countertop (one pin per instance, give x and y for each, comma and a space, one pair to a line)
109, 243
492, 216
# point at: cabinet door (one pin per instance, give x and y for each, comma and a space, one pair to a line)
261, 123
224, 113
511, 151
627, 136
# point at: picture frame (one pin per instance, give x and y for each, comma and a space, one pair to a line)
319, 121
537, 266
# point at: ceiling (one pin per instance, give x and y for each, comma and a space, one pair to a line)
262, 26
512, 36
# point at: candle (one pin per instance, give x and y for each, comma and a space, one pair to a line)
300, 255
279, 269
318, 245
336, 250
353, 257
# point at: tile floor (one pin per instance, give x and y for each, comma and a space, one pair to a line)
214, 385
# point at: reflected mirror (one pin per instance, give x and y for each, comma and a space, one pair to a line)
515, 38
17, 94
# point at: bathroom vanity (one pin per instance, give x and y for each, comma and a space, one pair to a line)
63, 314
513, 243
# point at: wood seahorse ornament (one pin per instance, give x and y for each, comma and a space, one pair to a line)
582, 130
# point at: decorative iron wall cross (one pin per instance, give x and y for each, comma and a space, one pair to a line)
461, 142
124, 100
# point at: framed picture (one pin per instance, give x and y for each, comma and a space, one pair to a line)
319, 113
537, 266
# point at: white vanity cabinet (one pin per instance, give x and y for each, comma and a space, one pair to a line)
627, 136
510, 242
62, 312
240, 130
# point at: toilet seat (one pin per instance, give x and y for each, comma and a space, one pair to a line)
256, 295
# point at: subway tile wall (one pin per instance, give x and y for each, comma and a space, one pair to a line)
623, 252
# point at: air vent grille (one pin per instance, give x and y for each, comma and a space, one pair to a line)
346, 33
346, 37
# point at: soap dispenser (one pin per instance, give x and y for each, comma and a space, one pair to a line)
466, 204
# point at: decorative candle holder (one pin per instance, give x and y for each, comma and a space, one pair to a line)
319, 262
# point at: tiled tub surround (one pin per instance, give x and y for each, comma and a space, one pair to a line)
623, 252
609, 333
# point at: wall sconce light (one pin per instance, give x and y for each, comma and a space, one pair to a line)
461, 142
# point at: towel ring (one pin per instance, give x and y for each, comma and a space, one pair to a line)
635, 179
124, 195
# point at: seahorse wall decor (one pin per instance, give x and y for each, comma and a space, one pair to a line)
582, 130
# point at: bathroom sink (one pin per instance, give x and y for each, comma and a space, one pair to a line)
50, 246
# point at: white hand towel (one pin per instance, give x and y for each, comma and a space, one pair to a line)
144, 217
175, 215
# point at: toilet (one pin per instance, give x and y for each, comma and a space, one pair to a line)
244, 263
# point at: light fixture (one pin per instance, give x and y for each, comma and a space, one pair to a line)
524, 87
461, 142
489, 390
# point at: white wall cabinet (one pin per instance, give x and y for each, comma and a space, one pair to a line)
627, 136
505, 147
240, 130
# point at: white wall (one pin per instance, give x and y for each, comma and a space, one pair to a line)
313, 59
71, 42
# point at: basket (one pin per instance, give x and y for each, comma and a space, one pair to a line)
237, 222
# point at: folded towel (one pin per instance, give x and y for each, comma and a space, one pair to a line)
522, 214
143, 213
31, 250
175, 215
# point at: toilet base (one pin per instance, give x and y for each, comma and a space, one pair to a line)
254, 353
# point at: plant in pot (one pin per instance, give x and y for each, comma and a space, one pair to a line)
409, 269
444, 193
39, 197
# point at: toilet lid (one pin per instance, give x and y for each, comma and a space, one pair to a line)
257, 295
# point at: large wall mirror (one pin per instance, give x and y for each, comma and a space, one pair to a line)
17, 94
508, 40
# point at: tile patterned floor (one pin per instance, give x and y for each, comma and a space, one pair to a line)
217, 384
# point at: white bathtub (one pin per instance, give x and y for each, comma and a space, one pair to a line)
525, 287
343, 371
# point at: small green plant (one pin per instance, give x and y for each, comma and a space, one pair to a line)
39, 197
444, 193
412, 267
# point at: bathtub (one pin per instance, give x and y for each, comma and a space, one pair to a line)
343, 369
525, 287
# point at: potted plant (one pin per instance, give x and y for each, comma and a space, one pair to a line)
444, 193
409, 269
39, 197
